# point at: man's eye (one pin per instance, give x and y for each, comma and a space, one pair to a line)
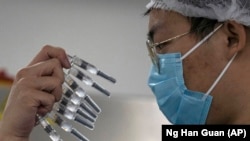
160, 46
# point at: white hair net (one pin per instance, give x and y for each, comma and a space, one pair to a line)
221, 10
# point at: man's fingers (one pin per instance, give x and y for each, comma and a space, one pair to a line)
50, 67
49, 85
49, 52
46, 102
41, 101
47, 76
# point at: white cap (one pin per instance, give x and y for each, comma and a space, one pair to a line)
221, 10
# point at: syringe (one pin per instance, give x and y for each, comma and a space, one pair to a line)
49, 129
89, 67
75, 103
76, 109
77, 95
85, 79
66, 126
73, 116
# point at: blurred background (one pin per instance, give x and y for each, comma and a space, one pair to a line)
111, 35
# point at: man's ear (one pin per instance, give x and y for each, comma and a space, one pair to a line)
236, 37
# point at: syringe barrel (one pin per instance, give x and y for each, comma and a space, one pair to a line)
49, 129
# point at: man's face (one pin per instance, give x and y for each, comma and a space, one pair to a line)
203, 66
164, 25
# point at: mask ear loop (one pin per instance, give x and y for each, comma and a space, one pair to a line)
201, 42
219, 77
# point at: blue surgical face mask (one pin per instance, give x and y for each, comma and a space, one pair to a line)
179, 104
